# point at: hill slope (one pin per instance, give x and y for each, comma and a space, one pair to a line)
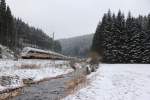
77, 46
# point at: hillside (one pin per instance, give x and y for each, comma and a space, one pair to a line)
77, 46
15, 34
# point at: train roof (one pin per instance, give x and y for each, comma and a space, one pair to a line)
27, 49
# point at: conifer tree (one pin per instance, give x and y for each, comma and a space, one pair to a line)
123, 40
2, 22
10, 36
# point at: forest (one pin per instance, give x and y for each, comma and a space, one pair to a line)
16, 34
120, 39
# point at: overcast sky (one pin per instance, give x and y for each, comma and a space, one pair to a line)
68, 18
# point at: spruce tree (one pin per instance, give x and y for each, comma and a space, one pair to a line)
2, 22
123, 40
148, 23
10, 28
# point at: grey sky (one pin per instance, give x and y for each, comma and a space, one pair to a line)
68, 18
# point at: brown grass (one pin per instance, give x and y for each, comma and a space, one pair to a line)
29, 66
76, 84
10, 94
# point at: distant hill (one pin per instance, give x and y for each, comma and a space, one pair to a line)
77, 46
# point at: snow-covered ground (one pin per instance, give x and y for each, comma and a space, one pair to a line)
117, 82
22, 69
6, 53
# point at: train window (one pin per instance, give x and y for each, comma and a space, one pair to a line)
31, 52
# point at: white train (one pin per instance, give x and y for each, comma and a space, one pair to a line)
32, 53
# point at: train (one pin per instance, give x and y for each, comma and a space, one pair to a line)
33, 53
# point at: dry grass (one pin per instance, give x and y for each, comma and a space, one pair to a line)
10, 94
76, 84
28, 66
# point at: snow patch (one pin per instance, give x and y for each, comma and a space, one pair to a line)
46, 69
117, 82
6, 53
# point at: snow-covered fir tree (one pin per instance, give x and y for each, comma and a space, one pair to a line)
120, 40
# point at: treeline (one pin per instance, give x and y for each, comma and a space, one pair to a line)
7, 36
30, 36
16, 34
123, 40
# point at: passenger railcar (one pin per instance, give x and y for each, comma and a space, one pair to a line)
32, 53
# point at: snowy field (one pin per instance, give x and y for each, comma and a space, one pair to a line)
117, 82
31, 69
